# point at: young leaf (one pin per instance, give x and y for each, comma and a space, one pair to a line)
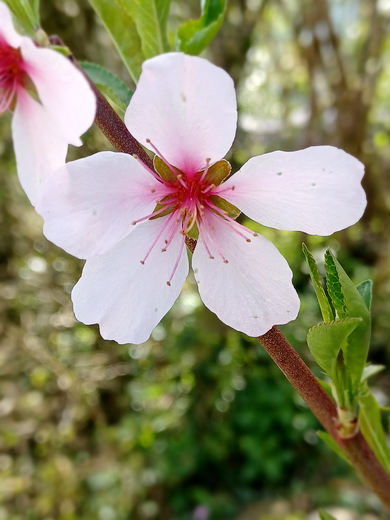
195, 35
326, 339
370, 370
356, 348
334, 286
123, 31
365, 290
326, 387
150, 17
325, 516
329, 440
371, 426
108, 83
326, 310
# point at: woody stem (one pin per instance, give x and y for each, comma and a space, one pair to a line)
356, 448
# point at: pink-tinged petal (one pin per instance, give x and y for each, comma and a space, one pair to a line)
89, 205
7, 30
128, 299
63, 90
187, 108
253, 291
39, 148
316, 190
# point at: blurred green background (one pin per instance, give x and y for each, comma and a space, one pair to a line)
196, 423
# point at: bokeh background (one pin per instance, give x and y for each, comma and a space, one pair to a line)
196, 423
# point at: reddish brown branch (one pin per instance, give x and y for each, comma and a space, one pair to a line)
356, 448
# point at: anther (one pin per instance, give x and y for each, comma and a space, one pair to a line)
232, 188
142, 262
153, 190
225, 261
169, 284
248, 240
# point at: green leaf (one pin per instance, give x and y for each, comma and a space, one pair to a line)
356, 348
150, 17
326, 310
195, 35
326, 387
334, 286
370, 370
35, 8
123, 32
371, 426
365, 291
325, 516
325, 341
24, 18
109, 84
329, 440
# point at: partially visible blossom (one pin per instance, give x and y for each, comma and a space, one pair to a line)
52, 102
131, 223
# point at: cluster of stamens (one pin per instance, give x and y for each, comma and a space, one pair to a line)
187, 199
11, 74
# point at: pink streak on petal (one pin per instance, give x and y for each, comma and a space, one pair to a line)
126, 298
317, 190
187, 108
253, 291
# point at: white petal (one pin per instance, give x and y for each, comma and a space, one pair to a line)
253, 291
39, 148
89, 205
126, 298
63, 91
316, 190
7, 31
187, 108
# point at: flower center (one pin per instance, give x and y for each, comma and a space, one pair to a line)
11, 74
188, 201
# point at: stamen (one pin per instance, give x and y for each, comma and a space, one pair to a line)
171, 236
205, 170
204, 242
157, 177
156, 150
192, 223
154, 214
177, 260
157, 238
211, 187
216, 247
225, 216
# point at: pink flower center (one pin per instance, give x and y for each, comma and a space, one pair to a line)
11, 74
190, 200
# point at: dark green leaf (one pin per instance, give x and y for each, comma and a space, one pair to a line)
123, 31
334, 286
109, 84
371, 426
355, 349
195, 35
150, 17
365, 290
326, 310
333, 445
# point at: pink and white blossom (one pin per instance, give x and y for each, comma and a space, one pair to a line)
52, 102
131, 223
